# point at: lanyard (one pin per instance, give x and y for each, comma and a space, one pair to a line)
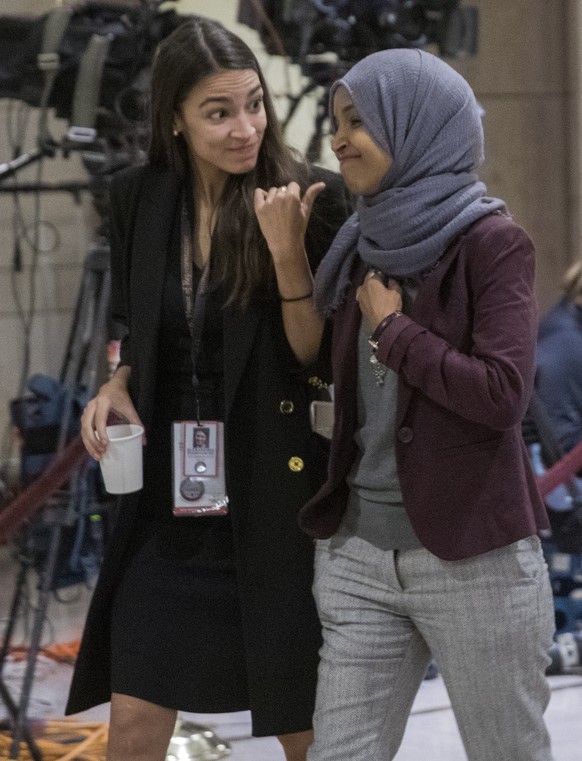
194, 305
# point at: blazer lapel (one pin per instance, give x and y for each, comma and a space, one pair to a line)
155, 219
345, 360
156, 210
239, 332
423, 311
156, 213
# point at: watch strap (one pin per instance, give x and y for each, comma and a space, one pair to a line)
381, 327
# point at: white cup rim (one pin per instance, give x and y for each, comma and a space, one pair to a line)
134, 433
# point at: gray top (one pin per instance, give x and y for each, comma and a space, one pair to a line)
375, 510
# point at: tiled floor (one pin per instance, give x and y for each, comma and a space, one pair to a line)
431, 733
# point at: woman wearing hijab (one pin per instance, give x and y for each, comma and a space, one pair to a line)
427, 526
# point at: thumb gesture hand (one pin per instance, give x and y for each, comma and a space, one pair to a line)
309, 197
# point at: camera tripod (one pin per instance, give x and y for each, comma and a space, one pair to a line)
65, 507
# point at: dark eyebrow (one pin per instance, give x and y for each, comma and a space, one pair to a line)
348, 108
345, 110
223, 99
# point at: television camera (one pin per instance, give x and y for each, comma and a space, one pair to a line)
326, 37
352, 29
96, 57
89, 63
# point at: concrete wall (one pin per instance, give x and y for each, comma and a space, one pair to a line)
521, 79
526, 76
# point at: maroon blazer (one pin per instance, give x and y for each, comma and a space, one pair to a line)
465, 362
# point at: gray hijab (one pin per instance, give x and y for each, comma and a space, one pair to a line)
424, 114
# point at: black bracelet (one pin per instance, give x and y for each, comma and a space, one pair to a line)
297, 298
375, 337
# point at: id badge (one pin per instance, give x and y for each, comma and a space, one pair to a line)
321, 416
198, 467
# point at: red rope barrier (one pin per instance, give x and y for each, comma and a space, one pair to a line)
562, 471
34, 497
26, 504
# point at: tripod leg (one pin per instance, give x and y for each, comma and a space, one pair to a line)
21, 727
313, 150
14, 609
25, 564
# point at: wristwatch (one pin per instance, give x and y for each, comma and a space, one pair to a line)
375, 337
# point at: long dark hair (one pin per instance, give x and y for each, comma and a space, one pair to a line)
198, 48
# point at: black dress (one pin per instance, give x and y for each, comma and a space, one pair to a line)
176, 625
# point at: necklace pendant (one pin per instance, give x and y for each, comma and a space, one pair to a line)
378, 370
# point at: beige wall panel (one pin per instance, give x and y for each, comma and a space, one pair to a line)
574, 122
521, 78
36, 7
10, 361
50, 334
49, 339
56, 289
63, 233
525, 166
25, 7
521, 47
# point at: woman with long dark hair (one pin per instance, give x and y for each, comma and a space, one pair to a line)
211, 612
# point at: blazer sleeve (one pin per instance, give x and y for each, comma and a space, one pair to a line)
490, 380
123, 199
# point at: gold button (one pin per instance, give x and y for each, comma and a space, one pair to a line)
287, 406
296, 464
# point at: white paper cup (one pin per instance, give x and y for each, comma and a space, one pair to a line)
122, 463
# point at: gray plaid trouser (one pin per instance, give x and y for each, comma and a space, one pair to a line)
488, 622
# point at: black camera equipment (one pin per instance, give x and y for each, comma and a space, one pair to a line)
129, 35
562, 543
64, 541
565, 504
326, 37
90, 64
352, 29
63, 529
566, 654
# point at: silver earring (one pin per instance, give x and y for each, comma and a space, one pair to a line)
175, 131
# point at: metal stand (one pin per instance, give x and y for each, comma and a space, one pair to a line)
313, 149
85, 351
18, 710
